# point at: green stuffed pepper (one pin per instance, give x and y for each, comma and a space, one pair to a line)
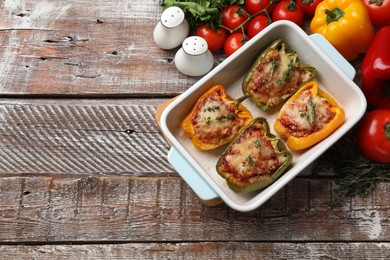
255, 159
275, 76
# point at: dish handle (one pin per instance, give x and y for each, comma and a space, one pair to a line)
332, 53
202, 189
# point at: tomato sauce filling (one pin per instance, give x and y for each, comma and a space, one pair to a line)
216, 119
306, 114
276, 77
252, 154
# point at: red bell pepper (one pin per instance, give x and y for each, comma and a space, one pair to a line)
376, 71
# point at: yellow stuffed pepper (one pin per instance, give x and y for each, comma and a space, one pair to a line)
215, 120
308, 117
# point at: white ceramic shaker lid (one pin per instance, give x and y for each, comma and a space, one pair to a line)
172, 28
172, 17
194, 58
195, 45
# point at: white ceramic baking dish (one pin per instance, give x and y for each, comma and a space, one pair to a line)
334, 75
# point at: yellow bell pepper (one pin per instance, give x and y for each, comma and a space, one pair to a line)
345, 24
215, 120
308, 117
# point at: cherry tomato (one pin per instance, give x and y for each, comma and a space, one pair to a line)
257, 24
374, 135
379, 11
309, 6
233, 42
233, 16
215, 39
255, 6
288, 10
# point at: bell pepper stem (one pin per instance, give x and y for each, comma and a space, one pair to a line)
387, 130
241, 99
292, 6
377, 2
333, 15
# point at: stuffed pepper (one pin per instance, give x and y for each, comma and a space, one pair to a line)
255, 159
308, 117
275, 76
215, 120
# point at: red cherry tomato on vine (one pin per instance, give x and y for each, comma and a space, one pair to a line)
215, 39
288, 10
379, 11
257, 24
374, 135
233, 42
233, 16
255, 6
309, 6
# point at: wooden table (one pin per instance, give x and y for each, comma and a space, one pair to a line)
83, 168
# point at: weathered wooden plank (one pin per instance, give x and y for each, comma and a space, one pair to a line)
81, 136
85, 48
142, 209
205, 250
82, 48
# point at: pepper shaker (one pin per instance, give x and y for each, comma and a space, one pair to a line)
194, 58
172, 28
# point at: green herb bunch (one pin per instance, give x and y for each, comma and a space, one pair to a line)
356, 175
202, 11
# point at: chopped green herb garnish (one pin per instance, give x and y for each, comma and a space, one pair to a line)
287, 73
249, 161
211, 109
257, 144
313, 108
274, 64
230, 117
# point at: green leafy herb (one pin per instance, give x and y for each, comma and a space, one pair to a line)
202, 11
356, 175
313, 108
274, 65
258, 145
229, 116
287, 73
249, 161
211, 109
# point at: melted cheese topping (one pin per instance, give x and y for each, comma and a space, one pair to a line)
251, 155
306, 114
216, 120
276, 77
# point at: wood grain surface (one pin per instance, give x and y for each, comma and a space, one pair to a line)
202, 250
83, 167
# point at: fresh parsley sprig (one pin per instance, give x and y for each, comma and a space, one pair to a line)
202, 11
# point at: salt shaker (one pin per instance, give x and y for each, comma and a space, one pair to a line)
194, 58
172, 28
